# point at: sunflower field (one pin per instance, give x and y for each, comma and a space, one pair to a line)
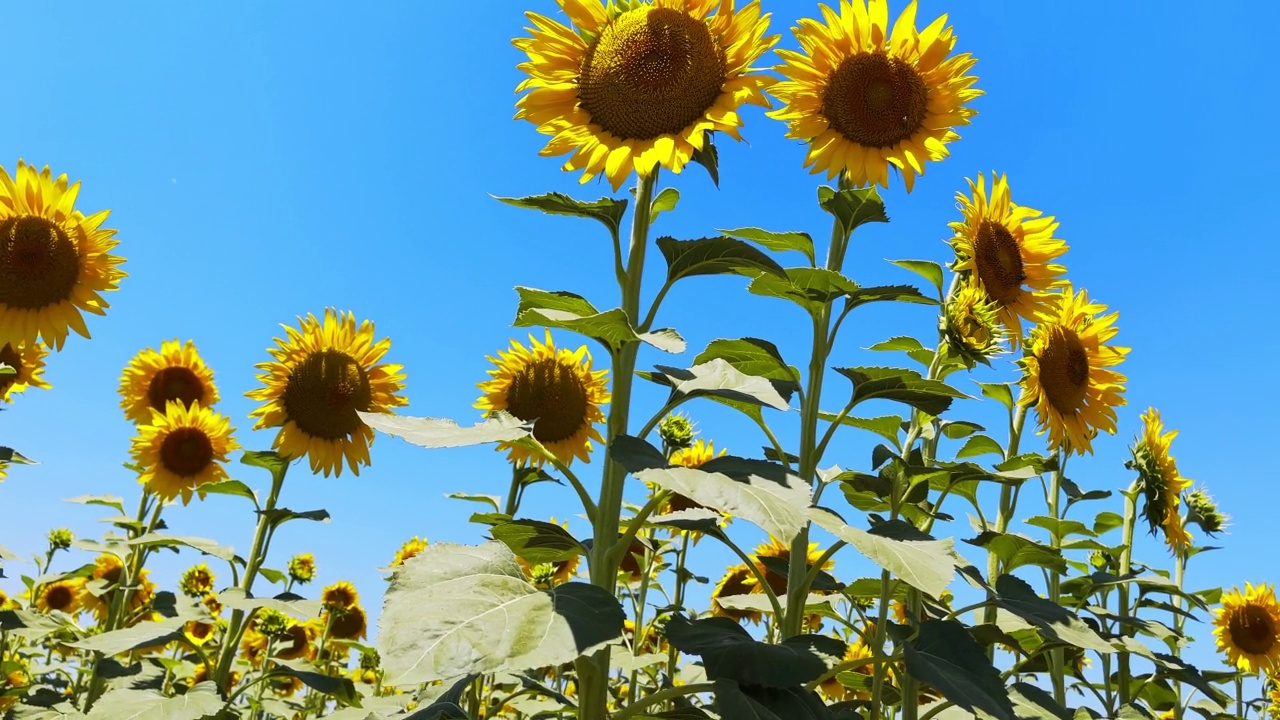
906, 529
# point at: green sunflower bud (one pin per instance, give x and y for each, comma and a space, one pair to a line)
272, 623
369, 660
676, 431
302, 568
1203, 511
972, 326
60, 539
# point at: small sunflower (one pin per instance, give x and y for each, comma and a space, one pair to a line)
631, 86
1007, 250
780, 553
285, 686
865, 98
554, 388
297, 641
340, 595
1066, 371
198, 633
737, 580
64, 595
182, 450
253, 646
834, 690
1248, 628
971, 325
302, 568
322, 375
197, 581
27, 361
153, 379
109, 567
349, 623
1162, 484
54, 261
410, 548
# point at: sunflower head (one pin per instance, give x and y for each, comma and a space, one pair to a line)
677, 431
198, 633
1007, 250
27, 364
637, 85
285, 686
197, 581
322, 376
865, 98
63, 595
349, 623
834, 690
153, 379
296, 641
410, 548
60, 539
182, 450
972, 326
1203, 511
1067, 372
1248, 628
1161, 484
737, 580
54, 261
554, 388
302, 568
772, 558
340, 595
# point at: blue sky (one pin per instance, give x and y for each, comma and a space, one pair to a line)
263, 161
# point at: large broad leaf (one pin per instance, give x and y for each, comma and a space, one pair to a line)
718, 378
1032, 703
902, 385
760, 492
1016, 551
294, 606
458, 609
146, 634
926, 269
607, 210
777, 241
810, 288
925, 564
198, 702
728, 651
887, 293
567, 311
1016, 596
946, 657
714, 256
444, 433
751, 356
746, 702
339, 687
208, 547
537, 541
853, 207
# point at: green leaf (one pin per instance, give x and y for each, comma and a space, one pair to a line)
1056, 622
1000, 392
607, 210
340, 688
199, 702
1032, 703
908, 345
111, 501
9, 455
294, 606
751, 356
729, 651
946, 657
906, 386
537, 541
1061, 528
810, 288
142, 635
444, 433
853, 208
457, 609
927, 269
665, 201
718, 378
760, 492
490, 500
231, 487
1016, 551
273, 576
926, 564
741, 702
280, 516
887, 293
268, 460
708, 157
886, 426
57, 711
979, 445
714, 256
208, 547
777, 241
1106, 521
6, 554
567, 311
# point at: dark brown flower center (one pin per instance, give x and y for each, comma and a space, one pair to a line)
176, 384
999, 260
59, 597
1252, 629
348, 625
186, 451
39, 263
10, 356
1064, 370
653, 71
324, 393
875, 100
551, 392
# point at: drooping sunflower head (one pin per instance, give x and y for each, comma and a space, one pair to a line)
302, 568
864, 97
1248, 628
54, 261
349, 623
554, 388
1007, 250
634, 85
1162, 486
153, 379
773, 557
297, 641
410, 548
737, 580
1203, 511
972, 327
27, 362
1067, 371
341, 594
323, 374
197, 581
64, 596
182, 450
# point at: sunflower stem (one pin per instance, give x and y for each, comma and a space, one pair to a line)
1126, 562
1056, 656
1017, 419
1179, 622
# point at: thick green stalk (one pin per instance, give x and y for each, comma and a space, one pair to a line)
1126, 560
593, 672
1005, 512
1180, 569
1056, 656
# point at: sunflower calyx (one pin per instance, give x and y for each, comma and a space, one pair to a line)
60, 539
272, 623
971, 324
1203, 511
1151, 483
676, 431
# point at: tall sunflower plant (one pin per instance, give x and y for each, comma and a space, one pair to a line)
539, 622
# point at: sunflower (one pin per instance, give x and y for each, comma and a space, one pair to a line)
285, 686
54, 261
153, 379
557, 390
737, 580
409, 549
197, 581
1066, 375
182, 450
64, 595
1007, 250
972, 327
697, 454
641, 84
340, 595
198, 633
27, 361
302, 568
865, 99
1161, 483
834, 690
322, 375
1248, 628
297, 642
253, 645
109, 568
771, 559
346, 623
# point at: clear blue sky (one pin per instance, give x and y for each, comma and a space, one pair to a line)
264, 160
